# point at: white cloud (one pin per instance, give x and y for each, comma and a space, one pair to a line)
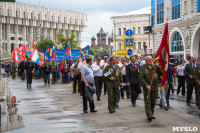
96, 20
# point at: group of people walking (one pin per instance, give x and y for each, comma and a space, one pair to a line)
119, 78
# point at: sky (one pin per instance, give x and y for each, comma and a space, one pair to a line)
98, 11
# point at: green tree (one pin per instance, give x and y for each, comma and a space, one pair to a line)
64, 40
94, 51
104, 50
44, 44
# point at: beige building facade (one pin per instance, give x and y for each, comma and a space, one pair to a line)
136, 21
21, 23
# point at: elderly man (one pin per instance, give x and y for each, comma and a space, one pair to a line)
197, 80
189, 72
113, 77
133, 81
148, 73
87, 78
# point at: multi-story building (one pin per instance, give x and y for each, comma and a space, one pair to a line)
136, 21
21, 23
102, 40
183, 18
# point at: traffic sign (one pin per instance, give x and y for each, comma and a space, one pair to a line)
129, 52
129, 42
129, 33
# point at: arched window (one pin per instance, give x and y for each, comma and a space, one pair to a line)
177, 43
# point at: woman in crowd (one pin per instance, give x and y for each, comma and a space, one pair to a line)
181, 76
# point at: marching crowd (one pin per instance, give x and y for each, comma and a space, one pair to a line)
117, 79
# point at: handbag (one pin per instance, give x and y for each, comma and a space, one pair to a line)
91, 89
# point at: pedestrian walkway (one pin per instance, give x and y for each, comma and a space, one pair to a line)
2, 89
56, 109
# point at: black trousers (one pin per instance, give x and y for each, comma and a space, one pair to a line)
125, 88
98, 83
135, 91
85, 106
181, 83
190, 88
105, 87
54, 77
75, 79
22, 74
29, 77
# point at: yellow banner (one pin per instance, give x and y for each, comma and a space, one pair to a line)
122, 52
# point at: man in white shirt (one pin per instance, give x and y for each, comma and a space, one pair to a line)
80, 65
98, 77
122, 66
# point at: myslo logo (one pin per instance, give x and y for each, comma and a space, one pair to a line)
184, 129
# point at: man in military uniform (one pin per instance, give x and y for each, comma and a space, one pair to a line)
21, 69
147, 72
113, 79
42, 71
53, 71
13, 70
197, 80
29, 69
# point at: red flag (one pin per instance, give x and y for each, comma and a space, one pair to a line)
32, 44
163, 55
13, 54
68, 50
23, 51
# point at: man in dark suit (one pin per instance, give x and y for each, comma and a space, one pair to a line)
189, 72
132, 77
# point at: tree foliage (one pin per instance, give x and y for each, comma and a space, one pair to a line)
44, 44
96, 51
64, 40
104, 50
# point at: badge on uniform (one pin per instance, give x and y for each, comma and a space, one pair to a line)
107, 74
155, 75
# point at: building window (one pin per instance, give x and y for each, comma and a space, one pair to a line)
177, 43
133, 30
152, 13
139, 30
124, 31
124, 46
175, 9
198, 5
134, 47
160, 11
139, 45
119, 46
119, 31
192, 5
185, 7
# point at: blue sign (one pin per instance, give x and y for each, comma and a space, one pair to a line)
129, 42
129, 52
129, 33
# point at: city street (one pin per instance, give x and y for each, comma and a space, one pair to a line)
56, 109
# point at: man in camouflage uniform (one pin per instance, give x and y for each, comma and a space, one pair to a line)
53, 71
13, 70
146, 73
113, 78
197, 80
42, 71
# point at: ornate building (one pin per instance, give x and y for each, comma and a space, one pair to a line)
102, 40
21, 23
183, 18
